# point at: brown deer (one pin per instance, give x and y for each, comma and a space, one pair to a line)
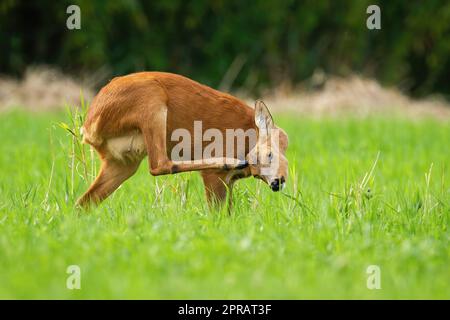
135, 115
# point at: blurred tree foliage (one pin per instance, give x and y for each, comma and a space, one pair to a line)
266, 42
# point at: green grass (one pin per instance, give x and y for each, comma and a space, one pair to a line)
155, 237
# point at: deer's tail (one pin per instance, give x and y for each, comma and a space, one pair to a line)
90, 136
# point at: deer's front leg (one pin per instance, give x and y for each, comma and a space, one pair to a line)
217, 187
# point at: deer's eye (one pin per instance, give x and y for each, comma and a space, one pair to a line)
270, 155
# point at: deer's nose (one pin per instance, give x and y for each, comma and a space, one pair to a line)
275, 185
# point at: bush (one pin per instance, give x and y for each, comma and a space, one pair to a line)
266, 42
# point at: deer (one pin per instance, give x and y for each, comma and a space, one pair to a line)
134, 115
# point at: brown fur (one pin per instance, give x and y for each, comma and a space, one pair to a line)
134, 115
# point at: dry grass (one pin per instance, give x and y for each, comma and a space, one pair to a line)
41, 89
44, 89
355, 96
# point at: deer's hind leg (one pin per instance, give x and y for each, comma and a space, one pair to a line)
154, 130
112, 174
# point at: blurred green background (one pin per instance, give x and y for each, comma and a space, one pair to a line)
266, 42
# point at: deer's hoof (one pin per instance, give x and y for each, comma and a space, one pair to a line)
243, 164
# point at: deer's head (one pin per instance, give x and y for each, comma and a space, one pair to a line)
267, 160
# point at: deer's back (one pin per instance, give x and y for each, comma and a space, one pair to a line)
118, 109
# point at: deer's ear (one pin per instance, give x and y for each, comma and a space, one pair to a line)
263, 118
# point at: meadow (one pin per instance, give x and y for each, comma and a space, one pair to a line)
361, 192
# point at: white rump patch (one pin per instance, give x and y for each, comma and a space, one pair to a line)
130, 147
